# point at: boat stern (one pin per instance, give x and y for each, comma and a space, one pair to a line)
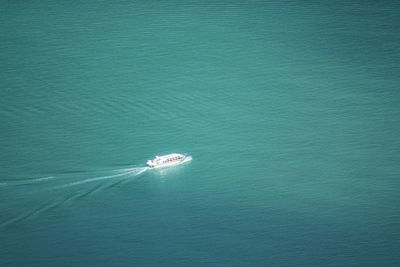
150, 163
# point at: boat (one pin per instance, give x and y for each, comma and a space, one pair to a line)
168, 160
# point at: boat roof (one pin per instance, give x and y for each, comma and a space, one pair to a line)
172, 155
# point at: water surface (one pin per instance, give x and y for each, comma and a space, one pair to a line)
290, 111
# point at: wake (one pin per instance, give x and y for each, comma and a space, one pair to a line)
27, 181
122, 175
127, 172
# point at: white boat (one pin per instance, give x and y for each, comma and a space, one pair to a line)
168, 160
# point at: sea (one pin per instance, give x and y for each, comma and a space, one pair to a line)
289, 109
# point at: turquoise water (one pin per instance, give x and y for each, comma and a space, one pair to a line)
291, 112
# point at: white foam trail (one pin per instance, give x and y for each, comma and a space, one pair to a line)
24, 216
28, 181
142, 171
128, 177
42, 179
135, 171
14, 220
36, 211
129, 172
